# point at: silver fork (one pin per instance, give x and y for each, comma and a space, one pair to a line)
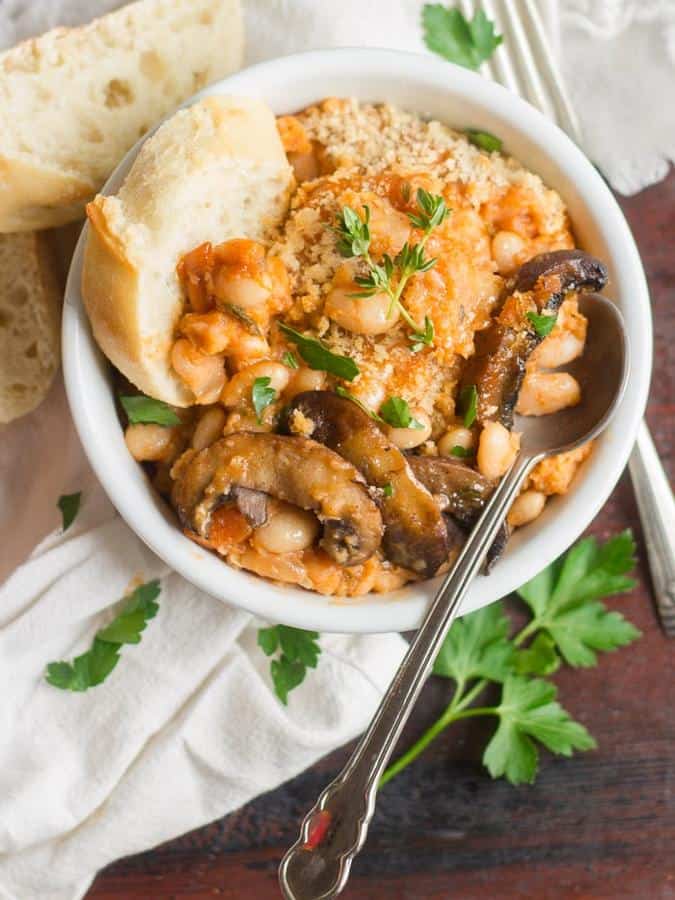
524, 63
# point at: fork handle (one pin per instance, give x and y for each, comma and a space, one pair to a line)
657, 516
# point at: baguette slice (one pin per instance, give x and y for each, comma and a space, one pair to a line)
30, 303
73, 101
211, 172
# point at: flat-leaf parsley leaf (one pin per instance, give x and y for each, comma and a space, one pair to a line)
262, 395
93, 667
69, 504
542, 324
299, 651
318, 356
450, 34
396, 412
146, 410
528, 710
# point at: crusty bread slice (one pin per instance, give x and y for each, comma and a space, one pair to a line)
73, 101
211, 172
30, 303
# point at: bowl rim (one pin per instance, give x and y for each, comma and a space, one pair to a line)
403, 609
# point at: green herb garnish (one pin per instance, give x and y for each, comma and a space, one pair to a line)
542, 324
484, 140
455, 38
388, 490
289, 360
396, 412
299, 651
69, 504
262, 396
147, 410
461, 452
343, 392
318, 356
424, 338
390, 276
468, 404
94, 666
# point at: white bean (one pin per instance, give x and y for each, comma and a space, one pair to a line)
304, 379
389, 228
360, 315
204, 375
543, 393
151, 443
288, 529
209, 428
456, 436
526, 508
238, 388
497, 449
558, 349
407, 438
507, 247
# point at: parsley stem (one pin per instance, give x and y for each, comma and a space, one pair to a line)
457, 709
448, 717
400, 287
530, 628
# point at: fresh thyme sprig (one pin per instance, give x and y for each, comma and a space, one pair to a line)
390, 276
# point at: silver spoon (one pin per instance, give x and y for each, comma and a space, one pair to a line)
317, 866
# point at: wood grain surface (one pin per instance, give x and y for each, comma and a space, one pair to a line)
599, 825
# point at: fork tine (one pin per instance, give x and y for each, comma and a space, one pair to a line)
534, 86
504, 72
548, 67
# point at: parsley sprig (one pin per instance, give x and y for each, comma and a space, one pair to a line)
390, 276
299, 651
93, 667
569, 623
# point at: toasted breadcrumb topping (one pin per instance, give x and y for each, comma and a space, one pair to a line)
376, 155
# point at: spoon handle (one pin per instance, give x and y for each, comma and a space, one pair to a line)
317, 866
657, 516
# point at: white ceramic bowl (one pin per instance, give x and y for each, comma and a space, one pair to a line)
462, 99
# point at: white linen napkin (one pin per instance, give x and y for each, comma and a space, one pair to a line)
187, 727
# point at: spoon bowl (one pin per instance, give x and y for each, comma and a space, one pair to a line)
602, 373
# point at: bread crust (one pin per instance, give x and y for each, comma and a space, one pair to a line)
30, 312
223, 153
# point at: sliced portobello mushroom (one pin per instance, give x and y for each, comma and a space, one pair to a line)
415, 535
462, 491
294, 469
502, 349
462, 494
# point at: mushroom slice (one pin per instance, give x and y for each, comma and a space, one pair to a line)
415, 535
294, 469
498, 366
462, 494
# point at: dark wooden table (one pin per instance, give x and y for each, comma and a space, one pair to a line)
600, 825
